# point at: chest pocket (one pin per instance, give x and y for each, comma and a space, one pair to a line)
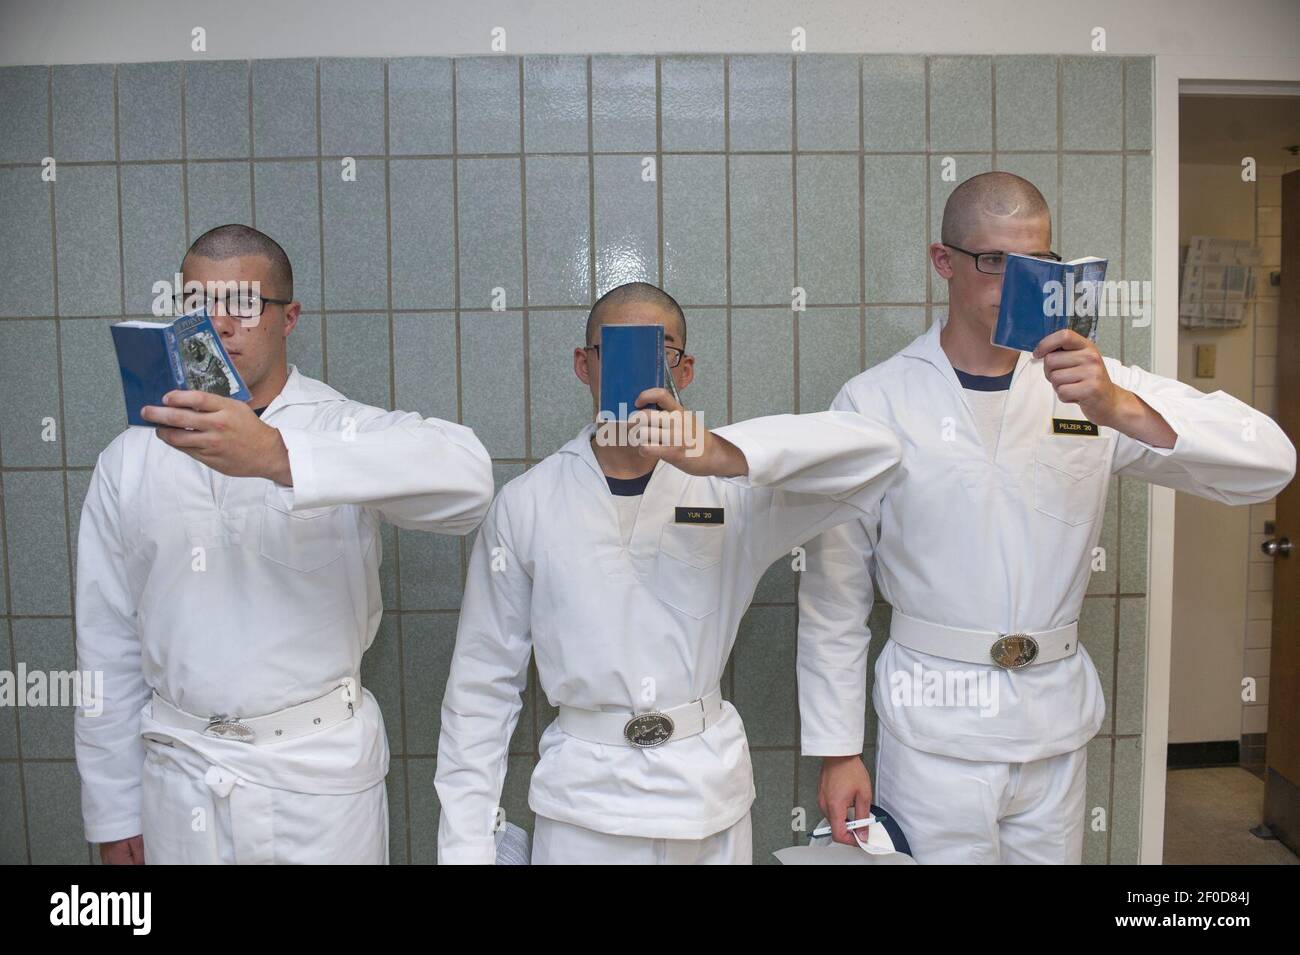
688, 570
1069, 477
303, 540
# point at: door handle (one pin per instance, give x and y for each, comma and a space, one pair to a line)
1281, 547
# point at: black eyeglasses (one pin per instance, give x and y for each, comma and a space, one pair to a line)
238, 303
672, 356
995, 262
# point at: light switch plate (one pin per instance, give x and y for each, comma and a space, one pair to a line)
1205, 356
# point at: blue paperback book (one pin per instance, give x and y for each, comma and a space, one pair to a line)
1040, 297
158, 357
631, 360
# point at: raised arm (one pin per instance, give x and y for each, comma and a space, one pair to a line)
1224, 450
421, 473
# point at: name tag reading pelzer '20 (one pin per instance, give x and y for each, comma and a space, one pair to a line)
1074, 426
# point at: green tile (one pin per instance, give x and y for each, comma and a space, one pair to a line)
894, 243
893, 103
695, 229
1126, 811
1096, 810
770, 814
765, 682
13, 837
381, 675
1026, 102
759, 102
827, 106
830, 258
1130, 694
357, 357
561, 404
691, 103
1092, 102
762, 362
829, 354
961, 103
762, 230
427, 642
487, 104
1133, 516
29, 395
891, 329
1138, 98
555, 104
54, 814
1097, 634
1091, 206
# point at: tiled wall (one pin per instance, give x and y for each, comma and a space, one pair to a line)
528, 175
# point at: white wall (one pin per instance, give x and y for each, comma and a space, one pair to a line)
1210, 555
128, 31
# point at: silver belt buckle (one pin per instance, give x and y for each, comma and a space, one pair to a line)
232, 729
648, 730
1015, 650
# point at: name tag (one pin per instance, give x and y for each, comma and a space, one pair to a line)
1074, 426
698, 515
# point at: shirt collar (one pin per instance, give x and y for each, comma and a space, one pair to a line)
927, 347
300, 390
581, 446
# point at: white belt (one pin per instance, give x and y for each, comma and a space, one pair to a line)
1008, 650
643, 730
301, 719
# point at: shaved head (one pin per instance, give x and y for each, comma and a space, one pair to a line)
991, 198
637, 293
234, 240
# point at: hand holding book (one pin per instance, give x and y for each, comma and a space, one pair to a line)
224, 434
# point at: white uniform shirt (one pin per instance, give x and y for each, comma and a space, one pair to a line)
636, 627
999, 544
237, 596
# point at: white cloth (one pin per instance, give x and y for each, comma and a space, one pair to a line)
963, 811
627, 505
256, 598
197, 813
559, 843
635, 628
1001, 544
988, 408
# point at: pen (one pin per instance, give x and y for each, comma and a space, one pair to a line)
850, 825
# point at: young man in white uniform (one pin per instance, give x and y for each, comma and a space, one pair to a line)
985, 538
627, 576
227, 587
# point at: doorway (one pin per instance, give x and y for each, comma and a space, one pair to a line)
1234, 681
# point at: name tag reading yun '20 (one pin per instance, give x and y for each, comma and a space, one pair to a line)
698, 515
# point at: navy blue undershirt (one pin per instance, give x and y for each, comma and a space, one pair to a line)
629, 487
258, 411
985, 382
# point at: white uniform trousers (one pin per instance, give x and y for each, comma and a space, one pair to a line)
195, 813
559, 843
956, 811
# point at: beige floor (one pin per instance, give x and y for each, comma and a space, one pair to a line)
1208, 817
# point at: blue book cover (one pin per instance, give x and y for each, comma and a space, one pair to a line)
631, 360
1040, 297
158, 357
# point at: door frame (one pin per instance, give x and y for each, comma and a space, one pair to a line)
1172, 76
